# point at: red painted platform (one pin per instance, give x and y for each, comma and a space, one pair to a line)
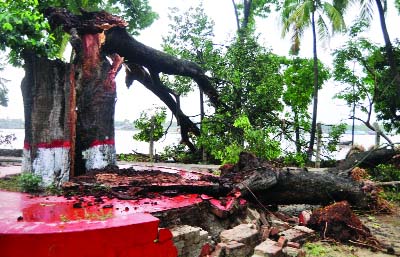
97, 227
54, 226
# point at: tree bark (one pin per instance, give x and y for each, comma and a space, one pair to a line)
47, 146
119, 41
368, 159
265, 184
153, 83
69, 108
315, 95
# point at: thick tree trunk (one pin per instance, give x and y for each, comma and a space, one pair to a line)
45, 91
96, 94
69, 109
265, 184
368, 159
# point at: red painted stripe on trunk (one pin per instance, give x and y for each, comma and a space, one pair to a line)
102, 142
52, 144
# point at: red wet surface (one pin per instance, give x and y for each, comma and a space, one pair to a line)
98, 225
56, 226
21, 213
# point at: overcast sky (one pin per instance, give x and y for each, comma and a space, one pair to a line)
131, 102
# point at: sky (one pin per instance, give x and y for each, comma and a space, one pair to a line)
131, 102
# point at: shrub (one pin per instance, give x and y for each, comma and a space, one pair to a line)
29, 182
386, 172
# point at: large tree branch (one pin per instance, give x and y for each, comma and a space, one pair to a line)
152, 82
119, 41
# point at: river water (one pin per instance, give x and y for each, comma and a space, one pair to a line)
124, 142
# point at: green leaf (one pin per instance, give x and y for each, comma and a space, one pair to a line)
7, 26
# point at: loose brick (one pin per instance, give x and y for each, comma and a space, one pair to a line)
297, 233
294, 245
243, 233
282, 241
293, 252
268, 248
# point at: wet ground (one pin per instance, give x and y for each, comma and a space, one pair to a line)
137, 175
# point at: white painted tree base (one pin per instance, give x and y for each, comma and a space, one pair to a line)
99, 156
52, 164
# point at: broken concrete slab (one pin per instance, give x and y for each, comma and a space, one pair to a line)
297, 234
243, 233
268, 248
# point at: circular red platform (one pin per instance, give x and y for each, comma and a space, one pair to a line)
55, 226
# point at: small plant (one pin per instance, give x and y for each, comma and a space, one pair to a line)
127, 157
29, 182
53, 190
386, 172
315, 249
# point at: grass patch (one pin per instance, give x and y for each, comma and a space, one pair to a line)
10, 183
29, 182
328, 250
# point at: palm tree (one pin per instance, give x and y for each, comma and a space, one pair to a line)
298, 15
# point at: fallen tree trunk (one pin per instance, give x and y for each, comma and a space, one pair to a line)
367, 159
269, 185
256, 181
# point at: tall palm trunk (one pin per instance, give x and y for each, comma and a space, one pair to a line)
389, 48
315, 98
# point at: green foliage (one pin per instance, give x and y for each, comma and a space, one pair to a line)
295, 159
386, 172
391, 194
3, 88
30, 182
256, 8
10, 183
190, 38
298, 78
127, 157
24, 28
178, 153
258, 141
252, 84
297, 17
333, 139
150, 126
254, 140
362, 68
137, 13
315, 249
